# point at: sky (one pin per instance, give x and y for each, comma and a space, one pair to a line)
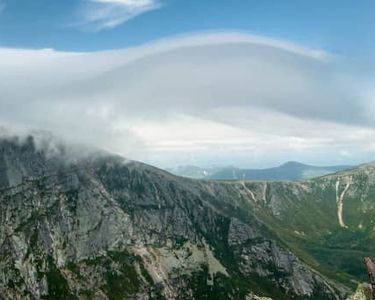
167, 82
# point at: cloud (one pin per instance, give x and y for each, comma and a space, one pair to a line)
228, 97
96, 15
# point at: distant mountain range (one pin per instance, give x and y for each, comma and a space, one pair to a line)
288, 171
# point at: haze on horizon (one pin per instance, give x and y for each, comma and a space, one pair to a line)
250, 88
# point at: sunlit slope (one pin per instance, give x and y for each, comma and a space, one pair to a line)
329, 221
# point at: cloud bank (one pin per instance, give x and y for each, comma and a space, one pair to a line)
226, 98
96, 15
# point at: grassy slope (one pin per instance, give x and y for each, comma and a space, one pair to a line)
308, 224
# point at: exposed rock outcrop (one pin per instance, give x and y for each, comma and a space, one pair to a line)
105, 228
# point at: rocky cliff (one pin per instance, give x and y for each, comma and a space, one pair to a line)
101, 227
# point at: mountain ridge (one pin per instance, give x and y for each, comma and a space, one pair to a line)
291, 170
85, 228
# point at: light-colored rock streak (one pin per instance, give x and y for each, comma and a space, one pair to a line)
249, 191
340, 200
157, 272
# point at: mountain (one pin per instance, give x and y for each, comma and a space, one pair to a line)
196, 172
288, 171
102, 227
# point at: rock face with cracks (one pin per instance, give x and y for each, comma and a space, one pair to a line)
101, 227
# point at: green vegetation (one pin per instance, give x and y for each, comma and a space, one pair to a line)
58, 288
308, 225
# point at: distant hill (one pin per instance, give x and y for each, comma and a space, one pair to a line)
288, 171
194, 171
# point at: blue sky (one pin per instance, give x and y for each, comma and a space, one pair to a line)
245, 83
337, 26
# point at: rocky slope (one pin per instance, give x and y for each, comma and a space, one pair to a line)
101, 227
329, 220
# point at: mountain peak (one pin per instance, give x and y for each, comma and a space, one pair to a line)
293, 164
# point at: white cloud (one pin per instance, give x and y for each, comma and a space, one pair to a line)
97, 15
225, 97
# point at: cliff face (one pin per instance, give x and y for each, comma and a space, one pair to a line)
329, 220
105, 228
